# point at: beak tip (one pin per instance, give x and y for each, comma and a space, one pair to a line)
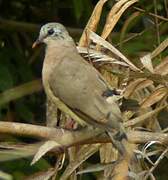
34, 45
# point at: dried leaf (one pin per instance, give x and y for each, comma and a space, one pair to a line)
162, 68
156, 96
147, 62
10, 152
8, 155
99, 56
108, 154
84, 153
135, 85
97, 39
93, 22
108, 26
114, 16
47, 146
160, 48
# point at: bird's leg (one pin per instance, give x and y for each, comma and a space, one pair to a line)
70, 123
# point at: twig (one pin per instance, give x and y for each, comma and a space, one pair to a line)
157, 162
160, 79
129, 38
140, 137
151, 14
154, 77
143, 117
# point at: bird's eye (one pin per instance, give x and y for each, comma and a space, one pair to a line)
50, 31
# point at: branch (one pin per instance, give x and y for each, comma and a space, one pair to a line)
151, 14
60, 135
11, 25
20, 91
140, 137
68, 138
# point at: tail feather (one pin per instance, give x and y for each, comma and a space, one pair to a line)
117, 144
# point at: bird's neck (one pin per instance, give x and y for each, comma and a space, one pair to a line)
55, 52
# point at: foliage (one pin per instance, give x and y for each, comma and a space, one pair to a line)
138, 32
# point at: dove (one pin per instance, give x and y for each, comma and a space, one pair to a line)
78, 84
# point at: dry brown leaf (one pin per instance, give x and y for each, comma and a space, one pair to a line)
147, 62
108, 154
99, 40
110, 77
98, 56
160, 48
116, 7
84, 153
135, 85
108, 26
92, 23
114, 16
10, 151
156, 96
47, 146
162, 68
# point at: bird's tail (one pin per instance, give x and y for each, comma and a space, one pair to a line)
117, 144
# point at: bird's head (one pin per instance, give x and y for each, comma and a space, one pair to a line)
50, 32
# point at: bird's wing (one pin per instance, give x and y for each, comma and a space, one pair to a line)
79, 85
